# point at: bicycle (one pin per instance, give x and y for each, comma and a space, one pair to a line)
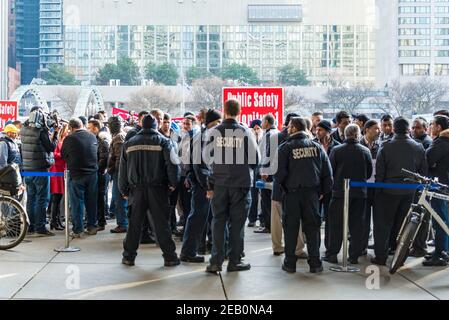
14, 221
431, 188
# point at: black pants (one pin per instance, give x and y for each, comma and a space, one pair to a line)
102, 190
389, 212
302, 206
369, 209
420, 242
230, 206
254, 210
196, 222
356, 223
173, 202
185, 196
55, 206
156, 201
265, 203
324, 206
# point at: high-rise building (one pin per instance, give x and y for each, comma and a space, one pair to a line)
414, 40
27, 38
326, 38
51, 41
12, 34
4, 13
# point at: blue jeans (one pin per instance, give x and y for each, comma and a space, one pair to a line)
121, 205
37, 193
196, 222
83, 192
441, 238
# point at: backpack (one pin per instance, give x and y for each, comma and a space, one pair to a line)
10, 180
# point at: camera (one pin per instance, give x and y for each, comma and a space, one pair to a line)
42, 120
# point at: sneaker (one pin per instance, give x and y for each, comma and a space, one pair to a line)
127, 262
74, 235
213, 268
196, 259
172, 263
262, 230
91, 231
435, 262
330, 259
238, 267
288, 269
45, 233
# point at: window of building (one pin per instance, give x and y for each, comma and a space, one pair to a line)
274, 13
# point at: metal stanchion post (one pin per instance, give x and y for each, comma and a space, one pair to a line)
67, 247
345, 267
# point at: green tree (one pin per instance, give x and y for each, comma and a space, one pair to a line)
162, 73
58, 75
126, 70
290, 75
240, 72
108, 72
194, 73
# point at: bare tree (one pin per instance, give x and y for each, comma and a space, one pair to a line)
207, 93
164, 98
294, 101
68, 97
346, 97
419, 97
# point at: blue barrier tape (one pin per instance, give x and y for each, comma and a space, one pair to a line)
42, 174
354, 184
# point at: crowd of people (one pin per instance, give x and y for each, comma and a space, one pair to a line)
197, 181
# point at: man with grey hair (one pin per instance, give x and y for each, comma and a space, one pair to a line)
79, 150
351, 161
419, 132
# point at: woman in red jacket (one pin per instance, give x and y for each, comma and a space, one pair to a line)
57, 183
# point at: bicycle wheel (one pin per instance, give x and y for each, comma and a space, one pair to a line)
403, 247
13, 223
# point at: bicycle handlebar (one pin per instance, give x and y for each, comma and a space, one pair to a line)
425, 180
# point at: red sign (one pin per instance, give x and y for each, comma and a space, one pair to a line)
8, 112
257, 102
124, 114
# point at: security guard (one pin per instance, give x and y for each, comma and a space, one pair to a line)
197, 175
305, 175
147, 173
232, 153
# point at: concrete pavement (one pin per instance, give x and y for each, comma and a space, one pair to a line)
34, 271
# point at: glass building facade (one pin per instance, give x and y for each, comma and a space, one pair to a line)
322, 51
27, 38
423, 35
50, 35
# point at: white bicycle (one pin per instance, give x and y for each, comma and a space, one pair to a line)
410, 227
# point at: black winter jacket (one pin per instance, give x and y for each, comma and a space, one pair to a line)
303, 164
148, 160
438, 158
351, 161
79, 150
234, 154
401, 152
